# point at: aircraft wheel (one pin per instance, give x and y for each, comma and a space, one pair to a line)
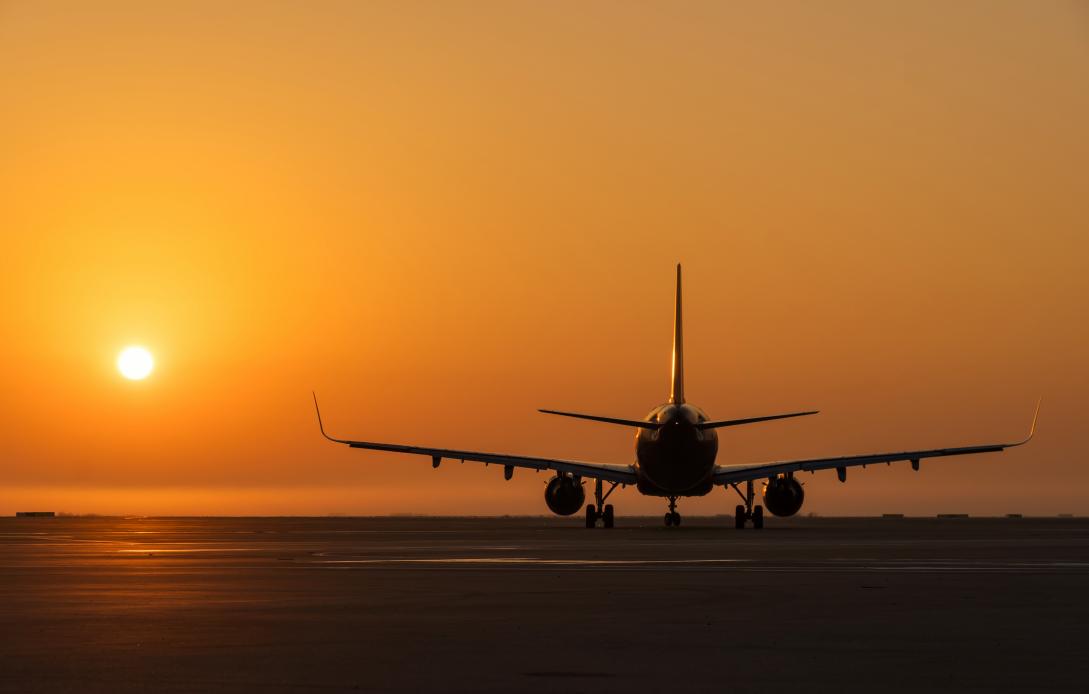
739, 517
758, 517
607, 516
591, 516
676, 519
668, 519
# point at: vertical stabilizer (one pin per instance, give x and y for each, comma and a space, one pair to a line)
676, 392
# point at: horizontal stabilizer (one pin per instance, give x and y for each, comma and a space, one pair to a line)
752, 420
608, 420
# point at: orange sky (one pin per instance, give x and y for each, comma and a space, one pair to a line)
443, 216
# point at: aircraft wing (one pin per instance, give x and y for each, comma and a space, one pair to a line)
732, 474
623, 474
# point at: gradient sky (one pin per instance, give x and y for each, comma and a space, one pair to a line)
442, 216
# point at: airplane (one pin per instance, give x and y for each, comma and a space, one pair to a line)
675, 449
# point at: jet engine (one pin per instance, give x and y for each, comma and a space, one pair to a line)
783, 495
564, 495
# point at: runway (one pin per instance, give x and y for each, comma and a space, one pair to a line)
535, 604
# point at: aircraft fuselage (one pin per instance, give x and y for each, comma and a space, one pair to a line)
677, 458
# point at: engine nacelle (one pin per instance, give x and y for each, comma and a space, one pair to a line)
564, 495
783, 495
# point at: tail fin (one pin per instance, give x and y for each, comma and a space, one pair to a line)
676, 393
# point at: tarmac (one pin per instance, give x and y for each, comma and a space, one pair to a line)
543, 605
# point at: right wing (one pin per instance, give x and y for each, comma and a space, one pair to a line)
733, 474
622, 474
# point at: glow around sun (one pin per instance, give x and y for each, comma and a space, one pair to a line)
135, 363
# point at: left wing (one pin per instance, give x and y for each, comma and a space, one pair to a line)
622, 474
732, 474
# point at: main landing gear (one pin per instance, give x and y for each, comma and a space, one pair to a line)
747, 512
599, 510
671, 516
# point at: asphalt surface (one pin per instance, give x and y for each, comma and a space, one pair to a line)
532, 604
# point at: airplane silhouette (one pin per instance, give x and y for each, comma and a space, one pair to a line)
675, 449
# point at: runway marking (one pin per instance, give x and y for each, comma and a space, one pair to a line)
443, 548
160, 550
700, 565
568, 674
527, 560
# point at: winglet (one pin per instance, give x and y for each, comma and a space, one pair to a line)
1032, 428
321, 426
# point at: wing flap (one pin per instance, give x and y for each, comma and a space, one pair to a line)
726, 474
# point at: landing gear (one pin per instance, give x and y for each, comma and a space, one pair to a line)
672, 518
600, 511
747, 512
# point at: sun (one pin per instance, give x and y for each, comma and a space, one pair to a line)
135, 363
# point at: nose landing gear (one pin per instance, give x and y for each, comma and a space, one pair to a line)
747, 512
671, 516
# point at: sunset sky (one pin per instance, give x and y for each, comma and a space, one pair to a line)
442, 216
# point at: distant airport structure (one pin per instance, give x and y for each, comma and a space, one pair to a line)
675, 449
